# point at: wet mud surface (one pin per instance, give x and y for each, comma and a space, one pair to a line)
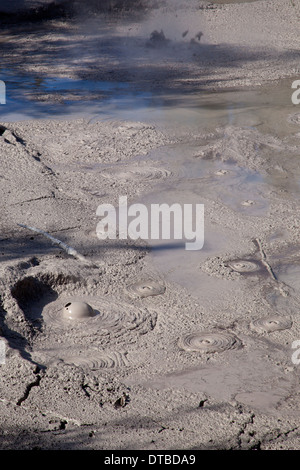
172, 349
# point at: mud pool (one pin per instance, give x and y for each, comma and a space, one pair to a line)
214, 325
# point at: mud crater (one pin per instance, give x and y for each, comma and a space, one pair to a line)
32, 293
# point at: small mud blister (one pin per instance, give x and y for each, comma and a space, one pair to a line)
209, 342
78, 310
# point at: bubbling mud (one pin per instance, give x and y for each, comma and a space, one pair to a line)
78, 310
270, 324
248, 203
209, 342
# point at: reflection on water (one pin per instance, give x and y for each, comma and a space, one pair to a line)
264, 109
34, 97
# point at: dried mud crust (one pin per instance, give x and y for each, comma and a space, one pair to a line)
84, 141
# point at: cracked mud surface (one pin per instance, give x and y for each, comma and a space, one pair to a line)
187, 351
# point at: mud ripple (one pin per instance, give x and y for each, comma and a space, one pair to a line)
270, 324
95, 360
87, 358
209, 342
111, 317
135, 173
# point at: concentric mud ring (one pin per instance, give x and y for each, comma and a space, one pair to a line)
209, 342
244, 266
110, 316
145, 288
270, 324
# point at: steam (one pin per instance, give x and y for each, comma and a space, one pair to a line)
140, 47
